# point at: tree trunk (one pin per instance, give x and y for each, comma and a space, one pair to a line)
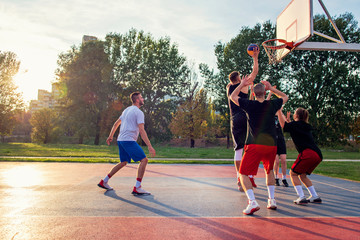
81, 139
192, 143
227, 141
46, 140
97, 130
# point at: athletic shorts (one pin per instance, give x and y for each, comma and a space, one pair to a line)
130, 150
253, 155
306, 162
238, 124
281, 146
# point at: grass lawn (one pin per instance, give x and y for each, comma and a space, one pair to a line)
345, 170
104, 153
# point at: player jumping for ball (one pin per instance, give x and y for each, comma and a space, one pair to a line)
261, 141
309, 154
238, 117
132, 122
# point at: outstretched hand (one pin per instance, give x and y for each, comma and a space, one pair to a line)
288, 116
267, 85
246, 80
256, 53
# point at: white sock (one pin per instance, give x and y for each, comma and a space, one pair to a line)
251, 176
284, 176
138, 182
271, 191
106, 179
299, 191
250, 194
237, 174
312, 191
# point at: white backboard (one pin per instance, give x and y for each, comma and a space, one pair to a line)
295, 23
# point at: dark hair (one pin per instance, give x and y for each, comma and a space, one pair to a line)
233, 75
134, 96
302, 114
259, 90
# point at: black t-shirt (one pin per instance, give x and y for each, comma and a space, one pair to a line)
279, 131
261, 120
300, 133
235, 109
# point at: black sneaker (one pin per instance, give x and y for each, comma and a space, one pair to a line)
301, 201
312, 199
285, 183
277, 183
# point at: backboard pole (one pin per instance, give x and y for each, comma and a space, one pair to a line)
329, 46
332, 22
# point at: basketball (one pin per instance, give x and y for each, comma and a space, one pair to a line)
251, 48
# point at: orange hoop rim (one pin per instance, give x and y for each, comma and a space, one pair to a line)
285, 44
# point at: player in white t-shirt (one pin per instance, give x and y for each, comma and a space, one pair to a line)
132, 123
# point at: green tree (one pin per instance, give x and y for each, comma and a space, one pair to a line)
232, 56
10, 100
327, 83
189, 121
44, 125
324, 82
153, 67
85, 76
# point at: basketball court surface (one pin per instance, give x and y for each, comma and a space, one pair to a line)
188, 201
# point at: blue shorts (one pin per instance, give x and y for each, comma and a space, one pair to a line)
130, 150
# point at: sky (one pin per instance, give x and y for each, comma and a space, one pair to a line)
37, 31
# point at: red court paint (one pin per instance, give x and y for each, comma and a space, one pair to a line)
183, 228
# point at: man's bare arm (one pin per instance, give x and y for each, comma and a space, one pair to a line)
113, 129
282, 118
145, 138
277, 92
245, 82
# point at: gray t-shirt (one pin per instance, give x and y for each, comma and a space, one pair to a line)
130, 119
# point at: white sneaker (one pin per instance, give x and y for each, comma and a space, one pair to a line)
301, 201
140, 191
252, 207
271, 204
104, 185
312, 199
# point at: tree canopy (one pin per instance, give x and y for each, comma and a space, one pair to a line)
324, 82
10, 100
153, 67
85, 76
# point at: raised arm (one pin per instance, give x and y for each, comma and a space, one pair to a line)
113, 129
252, 95
269, 95
245, 82
282, 118
255, 69
145, 138
277, 92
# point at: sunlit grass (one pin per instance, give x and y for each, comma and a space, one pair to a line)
80, 150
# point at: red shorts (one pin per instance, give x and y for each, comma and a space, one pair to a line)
306, 162
253, 155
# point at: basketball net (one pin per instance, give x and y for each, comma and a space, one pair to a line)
275, 47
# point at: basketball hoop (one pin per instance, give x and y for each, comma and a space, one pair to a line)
275, 47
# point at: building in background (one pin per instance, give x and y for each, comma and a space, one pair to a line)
46, 99
87, 38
